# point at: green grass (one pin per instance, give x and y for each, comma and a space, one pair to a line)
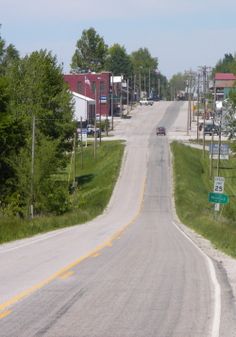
192, 184
95, 180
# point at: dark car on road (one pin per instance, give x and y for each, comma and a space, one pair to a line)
211, 129
161, 130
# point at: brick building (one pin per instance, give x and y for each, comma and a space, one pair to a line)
96, 86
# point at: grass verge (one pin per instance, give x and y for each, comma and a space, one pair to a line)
192, 184
96, 179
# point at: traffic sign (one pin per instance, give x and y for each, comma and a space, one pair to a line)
219, 198
214, 151
219, 184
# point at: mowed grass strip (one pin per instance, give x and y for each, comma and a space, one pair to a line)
192, 183
96, 181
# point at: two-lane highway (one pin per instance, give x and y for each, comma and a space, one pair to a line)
131, 272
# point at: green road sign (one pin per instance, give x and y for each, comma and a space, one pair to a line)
218, 198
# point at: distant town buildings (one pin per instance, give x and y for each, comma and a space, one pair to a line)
224, 83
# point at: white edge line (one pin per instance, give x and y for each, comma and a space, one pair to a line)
215, 330
32, 240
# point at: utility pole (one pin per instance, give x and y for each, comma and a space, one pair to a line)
127, 92
81, 134
134, 96
95, 125
188, 107
204, 72
140, 85
219, 147
112, 104
121, 98
32, 168
198, 102
159, 87
149, 82
75, 152
100, 117
212, 136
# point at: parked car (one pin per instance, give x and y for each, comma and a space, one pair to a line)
91, 130
146, 102
161, 130
211, 129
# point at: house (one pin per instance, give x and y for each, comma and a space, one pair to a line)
224, 83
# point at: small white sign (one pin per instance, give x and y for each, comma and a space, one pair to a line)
219, 184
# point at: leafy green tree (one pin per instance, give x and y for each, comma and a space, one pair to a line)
177, 84
39, 89
178, 81
90, 53
118, 61
229, 111
8, 55
143, 62
144, 69
10, 140
35, 87
226, 65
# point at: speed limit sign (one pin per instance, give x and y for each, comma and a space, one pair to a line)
219, 184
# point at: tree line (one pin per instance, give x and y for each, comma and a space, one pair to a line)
92, 54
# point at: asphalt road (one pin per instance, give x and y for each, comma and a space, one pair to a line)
130, 272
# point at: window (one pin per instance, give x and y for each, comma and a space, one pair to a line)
102, 87
80, 87
93, 86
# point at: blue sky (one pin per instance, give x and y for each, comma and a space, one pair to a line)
182, 34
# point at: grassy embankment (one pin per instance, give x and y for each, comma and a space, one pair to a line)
192, 184
96, 181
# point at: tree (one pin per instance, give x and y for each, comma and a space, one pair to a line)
39, 89
34, 87
177, 85
144, 68
90, 53
143, 62
8, 55
229, 112
118, 61
226, 65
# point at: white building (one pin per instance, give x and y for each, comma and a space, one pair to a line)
84, 107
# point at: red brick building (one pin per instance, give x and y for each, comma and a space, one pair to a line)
93, 85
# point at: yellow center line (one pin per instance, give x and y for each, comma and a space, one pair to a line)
5, 313
66, 275
15, 299
96, 255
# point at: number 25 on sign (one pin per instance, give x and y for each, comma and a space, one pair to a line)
219, 184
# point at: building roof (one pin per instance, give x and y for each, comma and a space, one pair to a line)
85, 98
225, 77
